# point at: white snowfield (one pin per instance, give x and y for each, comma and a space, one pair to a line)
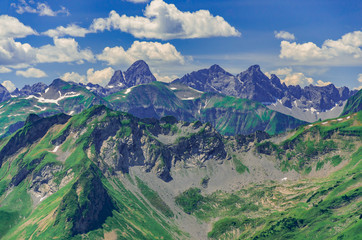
190, 98
56, 101
128, 90
41, 109
55, 149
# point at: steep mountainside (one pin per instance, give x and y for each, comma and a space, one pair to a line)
229, 115
155, 100
103, 174
308, 104
28, 90
138, 73
4, 94
354, 104
60, 96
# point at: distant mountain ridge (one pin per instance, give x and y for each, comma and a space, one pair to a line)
309, 102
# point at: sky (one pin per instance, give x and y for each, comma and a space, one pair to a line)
302, 42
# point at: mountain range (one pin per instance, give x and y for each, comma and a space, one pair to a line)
207, 95
142, 159
310, 103
103, 174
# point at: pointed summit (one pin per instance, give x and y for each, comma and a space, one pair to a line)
117, 79
138, 73
216, 68
4, 94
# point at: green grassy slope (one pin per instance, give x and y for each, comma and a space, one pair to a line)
311, 208
86, 204
354, 104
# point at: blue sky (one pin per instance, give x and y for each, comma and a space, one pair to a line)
302, 42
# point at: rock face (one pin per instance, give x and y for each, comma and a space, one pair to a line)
4, 94
35, 128
257, 86
309, 104
27, 90
138, 73
103, 172
165, 148
229, 115
214, 79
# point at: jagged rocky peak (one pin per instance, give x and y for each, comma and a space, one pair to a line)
277, 83
28, 90
4, 94
138, 73
58, 83
254, 74
117, 79
254, 69
54, 90
217, 69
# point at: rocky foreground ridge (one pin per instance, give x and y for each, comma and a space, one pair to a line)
107, 174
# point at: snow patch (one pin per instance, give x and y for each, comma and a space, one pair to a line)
173, 88
41, 109
190, 98
71, 113
340, 119
55, 149
44, 100
46, 90
284, 179
348, 117
128, 90
201, 91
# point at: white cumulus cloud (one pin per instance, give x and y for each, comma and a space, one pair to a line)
4, 69
32, 73
11, 27
73, 77
100, 77
41, 8
320, 83
14, 53
71, 30
289, 77
63, 50
165, 21
149, 51
9, 85
284, 35
345, 50
165, 78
